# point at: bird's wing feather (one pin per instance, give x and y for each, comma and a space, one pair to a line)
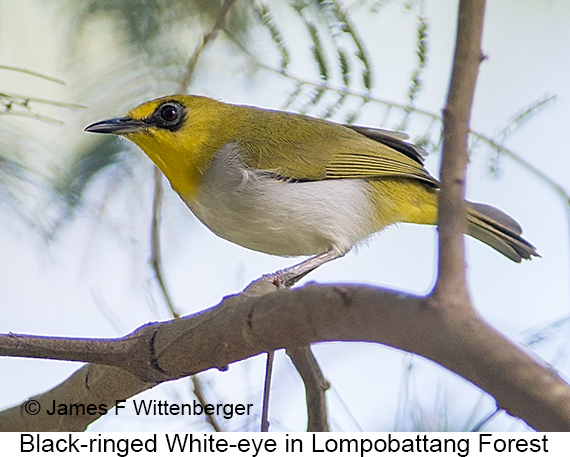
305, 148
396, 140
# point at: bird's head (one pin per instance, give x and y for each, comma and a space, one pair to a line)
180, 134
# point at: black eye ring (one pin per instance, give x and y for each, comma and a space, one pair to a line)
169, 115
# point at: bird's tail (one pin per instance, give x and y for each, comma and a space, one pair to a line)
499, 230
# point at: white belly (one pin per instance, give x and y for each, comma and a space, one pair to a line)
260, 212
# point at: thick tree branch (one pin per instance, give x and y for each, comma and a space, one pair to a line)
257, 321
91, 384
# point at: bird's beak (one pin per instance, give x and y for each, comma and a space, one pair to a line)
118, 126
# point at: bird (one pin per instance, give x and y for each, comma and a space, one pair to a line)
292, 185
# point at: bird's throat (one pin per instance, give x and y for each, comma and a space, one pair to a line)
181, 168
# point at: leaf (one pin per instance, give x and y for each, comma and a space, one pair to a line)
268, 21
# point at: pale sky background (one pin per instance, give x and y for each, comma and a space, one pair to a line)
94, 280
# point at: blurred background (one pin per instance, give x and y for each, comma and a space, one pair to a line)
76, 208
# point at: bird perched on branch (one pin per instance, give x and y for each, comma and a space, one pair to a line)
293, 185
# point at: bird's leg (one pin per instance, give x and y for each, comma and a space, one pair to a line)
289, 276
285, 279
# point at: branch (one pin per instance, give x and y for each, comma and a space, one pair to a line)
316, 387
199, 393
91, 384
266, 391
207, 38
451, 287
155, 249
257, 321
32, 73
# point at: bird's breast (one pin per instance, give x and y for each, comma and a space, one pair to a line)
257, 210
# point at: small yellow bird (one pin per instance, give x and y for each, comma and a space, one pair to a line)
293, 185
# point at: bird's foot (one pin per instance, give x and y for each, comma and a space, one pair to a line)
284, 279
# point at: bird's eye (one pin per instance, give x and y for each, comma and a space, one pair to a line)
169, 113
169, 116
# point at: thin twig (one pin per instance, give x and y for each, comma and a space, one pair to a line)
206, 39
199, 392
39, 117
266, 390
557, 188
486, 420
155, 257
316, 386
24, 101
32, 73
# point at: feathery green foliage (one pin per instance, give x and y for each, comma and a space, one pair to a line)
16, 177
416, 78
519, 119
